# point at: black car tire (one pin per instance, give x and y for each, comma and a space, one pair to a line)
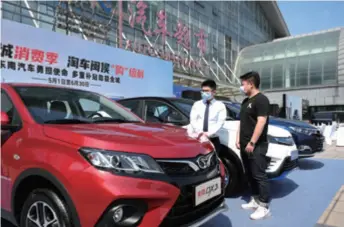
50, 198
234, 180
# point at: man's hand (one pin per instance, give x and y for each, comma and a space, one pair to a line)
203, 134
237, 144
249, 148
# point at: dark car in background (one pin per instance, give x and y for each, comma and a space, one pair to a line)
308, 138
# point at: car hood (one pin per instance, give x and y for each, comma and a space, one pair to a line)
156, 140
286, 123
272, 129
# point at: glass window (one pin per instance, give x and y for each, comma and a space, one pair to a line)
265, 82
184, 106
315, 71
132, 105
330, 67
83, 105
302, 72
277, 76
157, 111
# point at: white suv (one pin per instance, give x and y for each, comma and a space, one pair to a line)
282, 153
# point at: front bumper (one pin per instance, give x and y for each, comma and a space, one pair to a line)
285, 167
280, 160
168, 201
308, 146
222, 208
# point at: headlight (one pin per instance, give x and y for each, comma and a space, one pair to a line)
121, 161
289, 141
303, 130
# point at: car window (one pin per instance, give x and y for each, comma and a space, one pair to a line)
63, 106
8, 107
184, 105
132, 105
157, 111
67, 106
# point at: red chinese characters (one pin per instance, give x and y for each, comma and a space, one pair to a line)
183, 35
51, 57
140, 74
119, 69
22, 53
201, 45
37, 55
162, 30
139, 16
136, 73
132, 72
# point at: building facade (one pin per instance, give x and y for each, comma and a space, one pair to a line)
309, 66
202, 38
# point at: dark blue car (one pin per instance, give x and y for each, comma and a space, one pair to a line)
307, 138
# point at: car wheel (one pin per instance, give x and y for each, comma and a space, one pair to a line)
44, 208
233, 178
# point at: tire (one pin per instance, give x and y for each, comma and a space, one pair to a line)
234, 183
50, 201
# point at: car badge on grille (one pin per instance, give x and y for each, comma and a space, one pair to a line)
204, 161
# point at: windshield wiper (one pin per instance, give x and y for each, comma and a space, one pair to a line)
67, 121
113, 120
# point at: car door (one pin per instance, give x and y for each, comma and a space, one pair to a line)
10, 139
134, 105
157, 111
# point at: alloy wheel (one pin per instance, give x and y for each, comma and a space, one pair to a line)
41, 214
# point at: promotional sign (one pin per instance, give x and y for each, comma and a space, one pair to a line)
32, 55
293, 107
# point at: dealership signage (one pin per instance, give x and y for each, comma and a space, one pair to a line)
36, 55
136, 15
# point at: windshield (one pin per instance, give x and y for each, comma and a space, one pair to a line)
233, 107
184, 105
63, 106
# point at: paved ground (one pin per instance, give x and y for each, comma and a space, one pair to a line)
303, 199
313, 194
332, 152
334, 214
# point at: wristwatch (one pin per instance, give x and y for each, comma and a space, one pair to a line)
252, 144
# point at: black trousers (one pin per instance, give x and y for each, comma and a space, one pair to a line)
255, 164
217, 144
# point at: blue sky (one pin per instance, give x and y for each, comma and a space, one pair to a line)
310, 16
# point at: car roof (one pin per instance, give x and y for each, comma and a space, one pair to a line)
41, 85
158, 98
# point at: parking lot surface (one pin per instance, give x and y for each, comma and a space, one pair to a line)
307, 197
299, 200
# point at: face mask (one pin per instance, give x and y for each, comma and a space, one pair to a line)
206, 96
242, 90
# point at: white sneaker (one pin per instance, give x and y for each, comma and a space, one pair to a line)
260, 213
252, 205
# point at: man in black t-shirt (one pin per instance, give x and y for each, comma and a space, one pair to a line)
253, 143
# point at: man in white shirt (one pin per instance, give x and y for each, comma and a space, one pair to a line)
208, 115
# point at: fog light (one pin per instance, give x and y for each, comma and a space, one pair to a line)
305, 148
118, 215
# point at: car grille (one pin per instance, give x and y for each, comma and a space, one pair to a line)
177, 167
184, 211
319, 143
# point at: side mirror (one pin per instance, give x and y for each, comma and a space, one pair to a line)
5, 120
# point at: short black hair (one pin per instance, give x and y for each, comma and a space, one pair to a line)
209, 83
253, 77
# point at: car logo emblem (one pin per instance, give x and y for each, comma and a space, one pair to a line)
204, 161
